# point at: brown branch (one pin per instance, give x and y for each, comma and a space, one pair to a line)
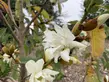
13, 34
36, 16
9, 78
11, 15
27, 27
21, 16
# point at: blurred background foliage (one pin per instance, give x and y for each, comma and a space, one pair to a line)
33, 40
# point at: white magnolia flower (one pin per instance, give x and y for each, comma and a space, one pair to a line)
59, 42
38, 74
6, 58
75, 60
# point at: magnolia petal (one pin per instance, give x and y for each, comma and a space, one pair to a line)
56, 57
58, 29
32, 79
67, 33
75, 61
49, 54
65, 54
49, 78
78, 45
64, 32
102, 19
34, 67
30, 66
52, 39
38, 75
6, 58
50, 72
39, 65
85, 43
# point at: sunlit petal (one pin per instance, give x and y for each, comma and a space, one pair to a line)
49, 54
75, 60
30, 66
77, 44
32, 79
65, 55
67, 33
50, 74
39, 65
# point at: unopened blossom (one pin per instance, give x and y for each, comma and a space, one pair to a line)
37, 73
6, 58
58, 43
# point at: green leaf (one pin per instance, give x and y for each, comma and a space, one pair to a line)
44, 13
94, 9
107, 7
87, 2
14, 72
27, 2
2, 32
107, 30
97, 70
59, 7
106, 57
4, 69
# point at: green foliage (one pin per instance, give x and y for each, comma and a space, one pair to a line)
4, 69
97, 70
107, 30
57, 67
105, 60
92, 3
5, 36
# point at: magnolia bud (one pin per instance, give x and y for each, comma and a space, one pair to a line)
76, 31
11, 49
90, 25
5, 50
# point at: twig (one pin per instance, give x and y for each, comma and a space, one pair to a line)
21, 16
9, 78
27, 28
15, 60
1, 80
13, 34
26, 77
11, 15
37, 14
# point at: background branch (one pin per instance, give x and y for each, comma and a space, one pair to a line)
11, 15
13, 34
36, 16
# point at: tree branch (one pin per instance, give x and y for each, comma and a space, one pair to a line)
27, 28
36, 16
13, 34
11, 15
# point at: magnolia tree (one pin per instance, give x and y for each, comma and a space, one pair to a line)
33, 47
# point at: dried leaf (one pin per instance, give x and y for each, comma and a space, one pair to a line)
97, 42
